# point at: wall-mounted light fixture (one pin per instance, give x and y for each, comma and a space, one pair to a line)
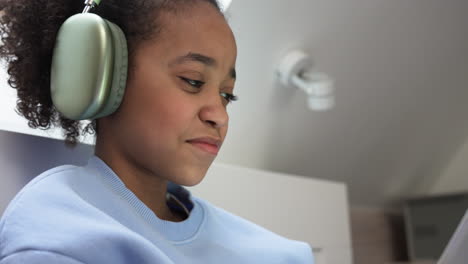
295, 70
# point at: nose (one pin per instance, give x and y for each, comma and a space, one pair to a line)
213, 112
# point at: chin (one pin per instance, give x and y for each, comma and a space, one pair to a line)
191, 177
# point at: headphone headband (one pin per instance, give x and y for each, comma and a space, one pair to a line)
90, 4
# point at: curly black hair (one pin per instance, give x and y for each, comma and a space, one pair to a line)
28, 30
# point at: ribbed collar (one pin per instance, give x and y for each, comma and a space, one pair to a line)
174, 231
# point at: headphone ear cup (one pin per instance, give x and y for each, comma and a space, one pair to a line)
119, 73
89, 67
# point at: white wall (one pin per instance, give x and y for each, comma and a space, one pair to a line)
400, 69
455, 177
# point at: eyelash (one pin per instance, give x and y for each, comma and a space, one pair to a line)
193, 83
198, 84
229, 97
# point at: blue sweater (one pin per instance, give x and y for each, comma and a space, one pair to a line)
73, 215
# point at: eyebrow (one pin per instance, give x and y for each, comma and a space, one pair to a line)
197, 57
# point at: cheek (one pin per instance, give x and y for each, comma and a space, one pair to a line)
170, 115
164, 110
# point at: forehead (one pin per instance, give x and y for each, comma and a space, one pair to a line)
200, 29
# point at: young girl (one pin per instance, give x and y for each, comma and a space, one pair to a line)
127, 204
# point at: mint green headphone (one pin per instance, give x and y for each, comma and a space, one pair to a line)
89, 66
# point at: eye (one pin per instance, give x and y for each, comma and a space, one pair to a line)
193, 83
229, 97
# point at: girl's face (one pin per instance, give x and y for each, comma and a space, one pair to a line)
173, 117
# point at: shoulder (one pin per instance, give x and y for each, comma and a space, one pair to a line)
241, 233
35, 188
53, 183
45, 213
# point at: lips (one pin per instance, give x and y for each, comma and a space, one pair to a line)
206, 144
